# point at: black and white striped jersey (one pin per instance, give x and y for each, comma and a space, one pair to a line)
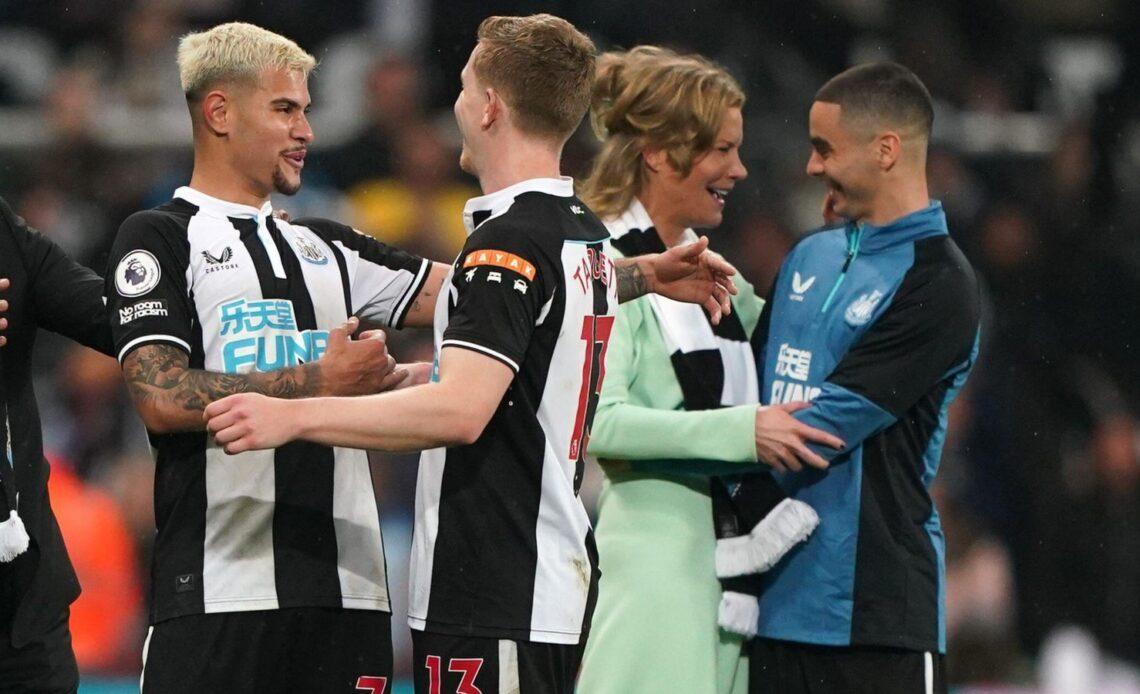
502, 545
241, 291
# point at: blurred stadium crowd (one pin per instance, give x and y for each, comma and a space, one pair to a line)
1036, 159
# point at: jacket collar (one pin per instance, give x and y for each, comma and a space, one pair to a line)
929, 221
480, 209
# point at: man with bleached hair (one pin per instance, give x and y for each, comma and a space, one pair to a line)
269, 570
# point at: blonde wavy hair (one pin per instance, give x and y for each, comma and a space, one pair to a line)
652, 97
235, 52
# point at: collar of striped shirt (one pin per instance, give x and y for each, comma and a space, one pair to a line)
494, 204
227, 208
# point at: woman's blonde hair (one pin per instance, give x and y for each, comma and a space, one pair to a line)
235, 52
652, 97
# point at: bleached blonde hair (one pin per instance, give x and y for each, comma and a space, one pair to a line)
235, 52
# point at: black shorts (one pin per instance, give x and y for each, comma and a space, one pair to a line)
42, 666
300, 649
445, 664
783, 667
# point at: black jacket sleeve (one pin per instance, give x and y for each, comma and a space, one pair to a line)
67, 297
926, 336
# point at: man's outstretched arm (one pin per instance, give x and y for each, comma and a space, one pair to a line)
690, 273
451, 412
170, 396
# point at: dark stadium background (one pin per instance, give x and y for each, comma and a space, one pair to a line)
1036, 158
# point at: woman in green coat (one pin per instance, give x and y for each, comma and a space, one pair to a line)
679, 399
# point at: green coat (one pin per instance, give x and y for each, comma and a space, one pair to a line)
655, 626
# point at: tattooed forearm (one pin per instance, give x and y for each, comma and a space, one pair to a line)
171, 396
631, 281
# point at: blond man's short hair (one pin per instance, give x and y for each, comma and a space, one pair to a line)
235, 52
543, 67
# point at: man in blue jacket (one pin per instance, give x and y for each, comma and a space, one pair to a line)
876, 323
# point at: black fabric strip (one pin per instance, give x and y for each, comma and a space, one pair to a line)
639, 242
410, 295
701, 376
304, 537
247, 231
345, 282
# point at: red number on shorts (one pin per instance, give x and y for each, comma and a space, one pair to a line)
433, 674
468, 667
596, 332
371, 684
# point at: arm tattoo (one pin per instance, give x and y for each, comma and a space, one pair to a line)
631, 281
160, 374
426, 297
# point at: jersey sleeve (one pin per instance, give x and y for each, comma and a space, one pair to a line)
148, 297
503, 280
67, 297
384, 281
927, 335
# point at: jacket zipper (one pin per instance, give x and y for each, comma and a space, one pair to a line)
853, 240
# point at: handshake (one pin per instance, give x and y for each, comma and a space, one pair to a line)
363, 366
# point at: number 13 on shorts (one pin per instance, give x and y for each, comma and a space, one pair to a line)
467, 668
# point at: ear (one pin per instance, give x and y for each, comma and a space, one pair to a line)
888, 149
655, 158
492, 108
215, 112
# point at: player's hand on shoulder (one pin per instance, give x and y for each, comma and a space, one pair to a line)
249, 421
4, 284
357, 367
781, 439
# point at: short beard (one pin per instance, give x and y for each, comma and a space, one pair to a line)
283, 186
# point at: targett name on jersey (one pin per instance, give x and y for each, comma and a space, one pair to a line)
263, 334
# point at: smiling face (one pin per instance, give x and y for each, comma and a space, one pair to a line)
845, 159
270, 131
697, 200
